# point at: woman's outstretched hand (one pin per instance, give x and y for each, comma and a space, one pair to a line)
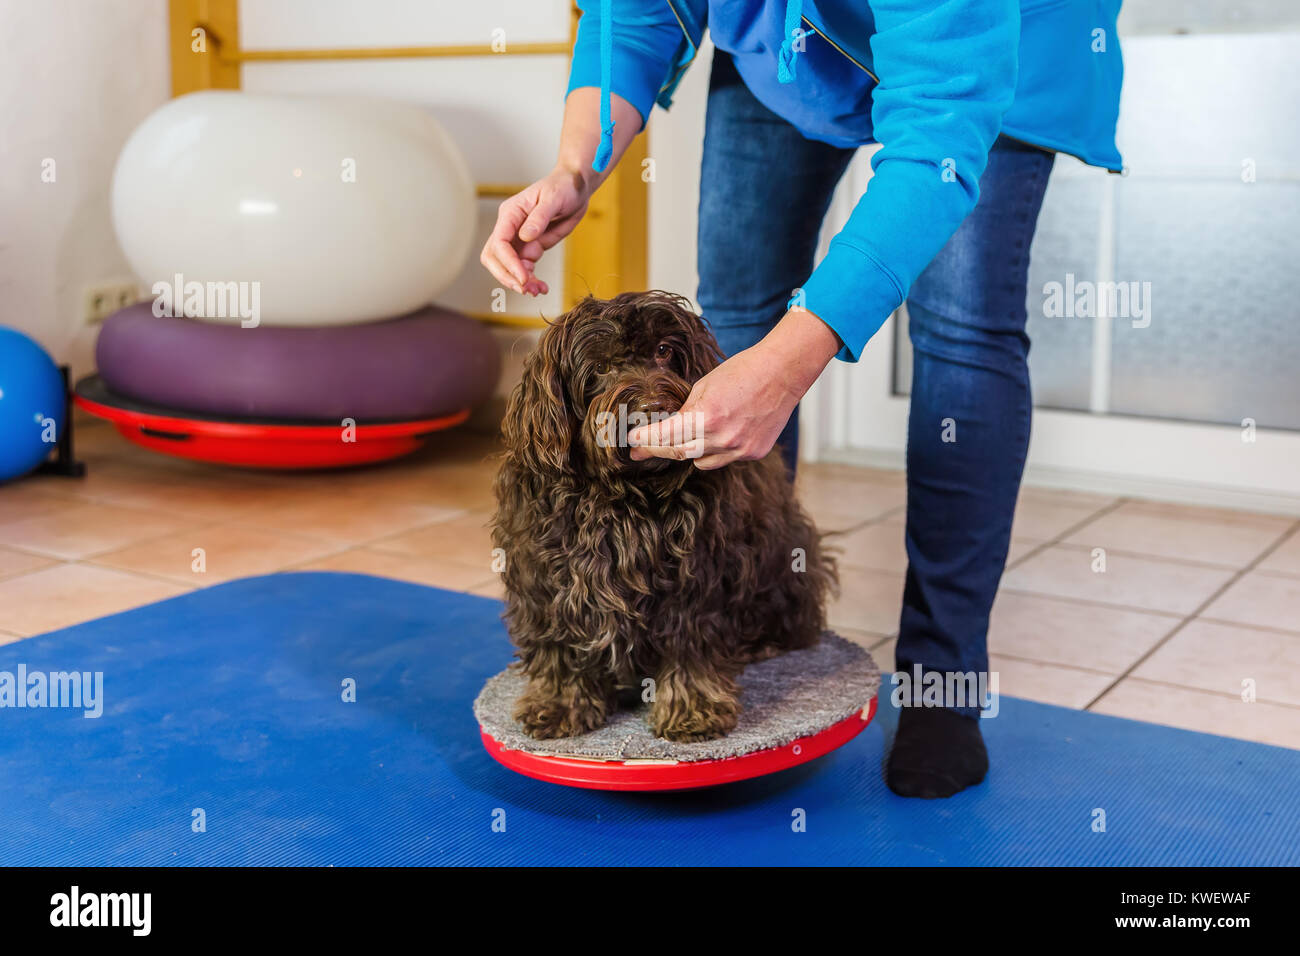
534, 220
529, 223
737, 411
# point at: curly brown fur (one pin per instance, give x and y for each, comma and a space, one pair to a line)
617, 571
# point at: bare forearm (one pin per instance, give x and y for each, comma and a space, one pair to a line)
800, 346
580, 134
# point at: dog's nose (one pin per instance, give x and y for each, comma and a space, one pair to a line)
650, 406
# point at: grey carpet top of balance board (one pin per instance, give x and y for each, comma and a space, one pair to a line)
784, 698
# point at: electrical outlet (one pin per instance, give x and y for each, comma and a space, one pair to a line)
101, 301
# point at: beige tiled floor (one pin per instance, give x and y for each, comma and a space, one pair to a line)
1123, 580
1194, 621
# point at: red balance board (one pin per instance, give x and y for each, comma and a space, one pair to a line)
255, 443
678, 774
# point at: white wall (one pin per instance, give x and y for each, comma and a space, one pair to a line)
75, 78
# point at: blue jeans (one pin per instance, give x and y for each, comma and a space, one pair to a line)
764, 191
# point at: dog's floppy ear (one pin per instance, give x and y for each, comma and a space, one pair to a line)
538, 426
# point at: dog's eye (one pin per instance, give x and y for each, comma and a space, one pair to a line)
665, 351
602, 368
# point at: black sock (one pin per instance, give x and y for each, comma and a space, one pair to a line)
937, 752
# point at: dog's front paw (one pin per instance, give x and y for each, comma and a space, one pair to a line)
546, 716
695, 721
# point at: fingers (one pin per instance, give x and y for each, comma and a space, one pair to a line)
561, 228
690, 449
534, 248
530, 252
534, 285
712, 462
524, 230
499, 255
538, 219
679, 436
677, 429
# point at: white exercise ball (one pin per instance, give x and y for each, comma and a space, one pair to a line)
312, 210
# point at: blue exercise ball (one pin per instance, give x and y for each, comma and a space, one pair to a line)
33, 404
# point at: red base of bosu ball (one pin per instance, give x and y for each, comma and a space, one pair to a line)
647, 775
253, 443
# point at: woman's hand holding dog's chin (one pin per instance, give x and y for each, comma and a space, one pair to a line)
737, 411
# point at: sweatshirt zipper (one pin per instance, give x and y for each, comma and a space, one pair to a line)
823, 35
689, 42
812, 27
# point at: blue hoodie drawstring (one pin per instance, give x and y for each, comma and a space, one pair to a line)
785, 58
606, 148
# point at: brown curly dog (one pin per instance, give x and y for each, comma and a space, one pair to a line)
648, 578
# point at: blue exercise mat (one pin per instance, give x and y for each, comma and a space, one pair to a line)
230, 701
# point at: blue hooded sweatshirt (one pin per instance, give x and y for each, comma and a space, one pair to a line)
933, 81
